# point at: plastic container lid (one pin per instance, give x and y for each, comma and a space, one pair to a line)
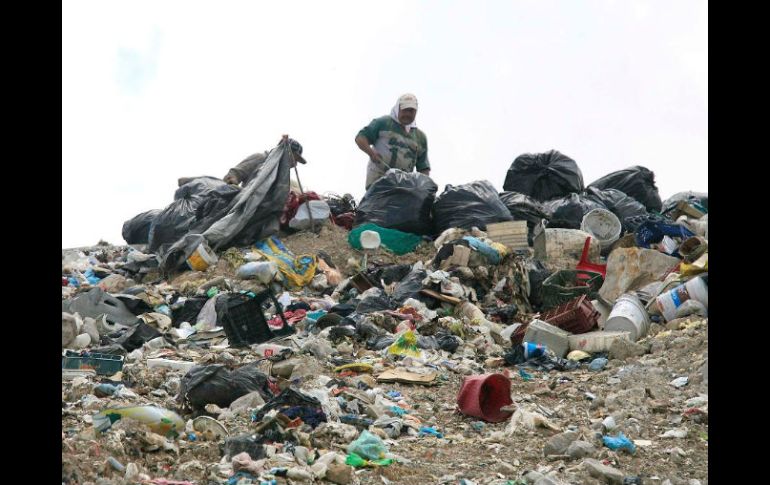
370, 240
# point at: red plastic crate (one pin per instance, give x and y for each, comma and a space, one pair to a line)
576, 316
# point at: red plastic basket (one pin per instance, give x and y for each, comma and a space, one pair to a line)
576, 316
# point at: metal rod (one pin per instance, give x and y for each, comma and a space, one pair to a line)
302, 191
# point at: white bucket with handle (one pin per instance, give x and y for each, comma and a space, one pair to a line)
603, 225
628, 315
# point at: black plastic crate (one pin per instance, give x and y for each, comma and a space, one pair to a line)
244, 321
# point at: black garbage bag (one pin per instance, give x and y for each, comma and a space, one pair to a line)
366, 330
468, 205
545, 362
637, 182
447, 341
375, 302
294, 404
339, 205
340, 332
342, 309
568, 211
700, 198
137, 229
189, 310
255, 212
524, 208
177, 218
135, 305
389, 274
216, 384
252, 444
329, 320
504, 314
544, 176
135, 337
379, 342
214, 206
399, 200
623, 206
633, 223
410, 286
537, 273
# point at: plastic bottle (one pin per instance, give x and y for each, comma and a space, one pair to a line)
262, 271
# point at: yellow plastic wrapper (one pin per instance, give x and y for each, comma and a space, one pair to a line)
356, 366
578, 355
405, 344
500, 248
298, 271
700, 265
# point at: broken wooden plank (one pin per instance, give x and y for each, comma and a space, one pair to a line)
441, 296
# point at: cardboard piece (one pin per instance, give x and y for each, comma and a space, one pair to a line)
406, 377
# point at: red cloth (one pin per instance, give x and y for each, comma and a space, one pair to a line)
292, 317
344, 220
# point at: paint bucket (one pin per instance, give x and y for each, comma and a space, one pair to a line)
695, 289
603, 225
201, 258
628, 315
693, 248
483, 396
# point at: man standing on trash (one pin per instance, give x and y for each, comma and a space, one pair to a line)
394, 141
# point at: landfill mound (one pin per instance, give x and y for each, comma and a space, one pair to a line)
558, 346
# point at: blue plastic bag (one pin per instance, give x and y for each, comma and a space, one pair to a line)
488, 251
653, 232
619, 442
426, 430
597, 364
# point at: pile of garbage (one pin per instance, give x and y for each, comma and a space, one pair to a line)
208, 351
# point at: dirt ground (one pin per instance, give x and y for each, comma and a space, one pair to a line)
635, 390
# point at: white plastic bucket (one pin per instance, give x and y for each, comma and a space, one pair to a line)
629, 315
603, 225
318, 209
201, 258
668, 302
370, 239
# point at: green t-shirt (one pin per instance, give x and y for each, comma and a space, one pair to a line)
399, 149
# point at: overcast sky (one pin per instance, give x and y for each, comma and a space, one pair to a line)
154, 91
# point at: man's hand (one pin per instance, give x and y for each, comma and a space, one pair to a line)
231, 179
376, 157
425, 172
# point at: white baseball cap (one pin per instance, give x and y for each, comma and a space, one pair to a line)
407, 101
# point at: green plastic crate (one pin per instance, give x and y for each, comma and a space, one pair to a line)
568, 284
103, 364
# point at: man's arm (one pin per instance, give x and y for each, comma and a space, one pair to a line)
363, 144
367, 137
423, 165
241, 172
